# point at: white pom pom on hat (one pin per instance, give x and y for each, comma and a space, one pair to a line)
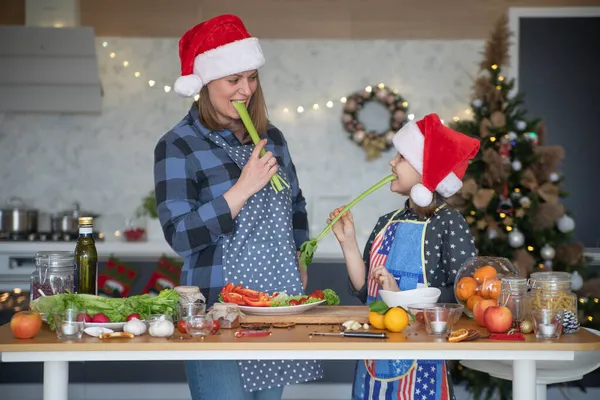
440, 154
215, 49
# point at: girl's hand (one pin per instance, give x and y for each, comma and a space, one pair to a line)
344, 227
258, 171
386, 280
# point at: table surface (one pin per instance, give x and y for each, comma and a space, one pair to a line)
413, 338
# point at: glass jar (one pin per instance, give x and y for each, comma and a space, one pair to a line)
552, 291
54, 273
479, 278
516, 298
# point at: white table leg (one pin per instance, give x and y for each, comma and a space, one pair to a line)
56, 380
541, 390
524, 384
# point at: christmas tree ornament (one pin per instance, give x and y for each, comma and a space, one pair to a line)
576, 281
516, 165
525, 202
521, 125
569, 321
548, 265
565, 224
492, 234
505, 204
477, 103
512, 136
547, 252
516, 238
526, 326
554, 177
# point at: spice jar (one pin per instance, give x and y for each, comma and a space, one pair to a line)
228, 315
189, 294
54, 273
552, 291
516, 298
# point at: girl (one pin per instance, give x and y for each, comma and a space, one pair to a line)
423, 244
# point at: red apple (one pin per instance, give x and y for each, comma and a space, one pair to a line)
480, 308
25, 324
498, 319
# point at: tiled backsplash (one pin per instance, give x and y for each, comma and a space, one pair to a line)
105, 162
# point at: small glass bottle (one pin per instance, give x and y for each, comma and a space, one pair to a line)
515, 297
86, 258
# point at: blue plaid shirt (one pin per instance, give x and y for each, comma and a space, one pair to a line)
191, 174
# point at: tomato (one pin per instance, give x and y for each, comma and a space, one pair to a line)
215, 328
318, 294
181, 326
294, 302
420, 317
302, 300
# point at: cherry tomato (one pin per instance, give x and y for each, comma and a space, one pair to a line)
215, 328
294, 302
420, 317
181, 326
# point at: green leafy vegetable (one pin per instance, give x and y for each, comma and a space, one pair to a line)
331, 298
309, 247
116, 309
277, 181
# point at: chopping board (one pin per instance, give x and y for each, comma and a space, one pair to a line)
321, 315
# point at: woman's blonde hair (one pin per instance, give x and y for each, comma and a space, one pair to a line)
257, 110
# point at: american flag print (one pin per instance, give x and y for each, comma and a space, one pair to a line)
380, 251
424, 380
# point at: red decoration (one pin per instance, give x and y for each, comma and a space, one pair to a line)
116, 279
166, 275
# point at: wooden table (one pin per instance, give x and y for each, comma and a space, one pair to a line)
294, 343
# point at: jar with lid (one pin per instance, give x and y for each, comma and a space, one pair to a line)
516, 297
551, 292
54, 273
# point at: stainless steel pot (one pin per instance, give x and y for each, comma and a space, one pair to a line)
16, 218
68, 221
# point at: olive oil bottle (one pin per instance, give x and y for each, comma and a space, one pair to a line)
86, 258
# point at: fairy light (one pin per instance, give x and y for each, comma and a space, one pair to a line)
411, 117
502, 215
151, 83
590, 318
381, 86
501, 78
329, 104
368, 89
498, 87
509, 228
494, 66
300, 109
286, 110
596, 300
492, 139
125, 63
112, 54
455, 119
167, 88
517, 190
136, 74
343, 100
315, 106
405, 104
530, 248
468, 111
540, 265
104, 44
473, 212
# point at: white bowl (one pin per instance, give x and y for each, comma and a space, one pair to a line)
404, 298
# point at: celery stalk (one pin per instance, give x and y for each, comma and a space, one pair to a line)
308, 248
277, 181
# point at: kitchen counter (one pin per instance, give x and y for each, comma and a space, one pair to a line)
294, 343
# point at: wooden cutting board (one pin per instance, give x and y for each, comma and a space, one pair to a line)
321, 315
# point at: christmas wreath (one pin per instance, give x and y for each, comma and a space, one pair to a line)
374, 143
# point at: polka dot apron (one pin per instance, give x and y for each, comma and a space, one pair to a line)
261, 255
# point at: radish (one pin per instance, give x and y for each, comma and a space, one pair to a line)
84, 317
100, 318
133, 316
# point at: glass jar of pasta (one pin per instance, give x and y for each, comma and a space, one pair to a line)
551, 292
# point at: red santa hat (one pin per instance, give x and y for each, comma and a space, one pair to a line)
214, 49
438, 153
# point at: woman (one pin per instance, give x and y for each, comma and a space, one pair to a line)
423, 244
215, 203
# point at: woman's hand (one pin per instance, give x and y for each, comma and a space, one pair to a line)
258, 171
344, 227
386, 280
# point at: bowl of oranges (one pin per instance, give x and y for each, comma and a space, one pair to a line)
480, 279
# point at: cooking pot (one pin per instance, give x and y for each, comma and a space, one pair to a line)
17, 218
68, 221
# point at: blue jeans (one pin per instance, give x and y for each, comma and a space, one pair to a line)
221, 380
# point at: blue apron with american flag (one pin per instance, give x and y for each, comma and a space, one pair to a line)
399, 246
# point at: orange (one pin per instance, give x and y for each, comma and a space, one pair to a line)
466, 288
376, 320
395, 319
484, 273
472, 301
458, 335
487, 286
495, 289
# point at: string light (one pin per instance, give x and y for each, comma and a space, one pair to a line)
494, 66
492, 139
501, 78
502, 215
300, 109
596, 300
498, 87
590, 318
509, 228
530, 248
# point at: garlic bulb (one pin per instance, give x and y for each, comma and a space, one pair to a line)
135, 327
162, 328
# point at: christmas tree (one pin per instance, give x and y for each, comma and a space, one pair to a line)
512, 191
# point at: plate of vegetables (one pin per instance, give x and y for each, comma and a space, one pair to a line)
278, 303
